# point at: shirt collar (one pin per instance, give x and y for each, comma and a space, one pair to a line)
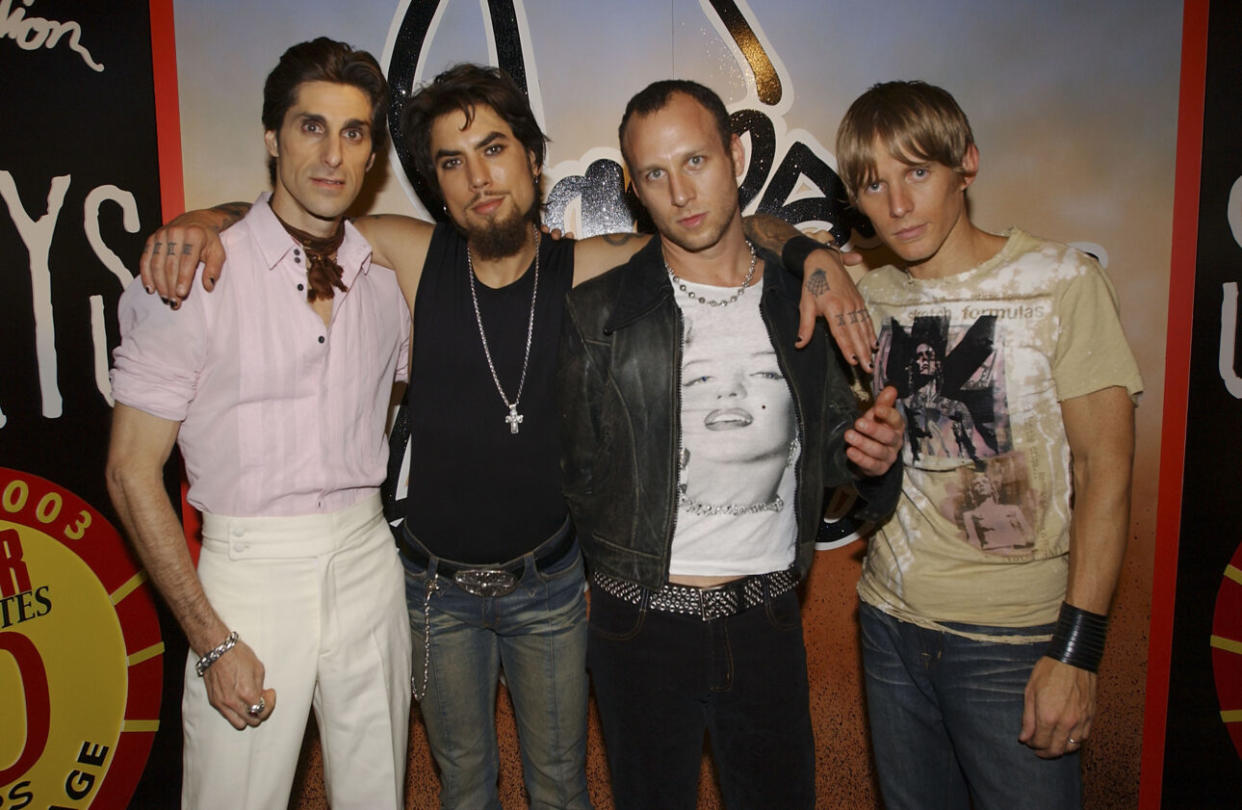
275, 243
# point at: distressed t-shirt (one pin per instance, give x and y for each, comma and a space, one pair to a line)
981, 361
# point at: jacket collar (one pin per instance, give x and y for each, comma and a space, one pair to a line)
644, 284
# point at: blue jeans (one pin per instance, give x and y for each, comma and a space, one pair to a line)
537, 635
662, 680
945, 714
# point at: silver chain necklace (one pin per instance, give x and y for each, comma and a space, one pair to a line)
710, 302
513, 418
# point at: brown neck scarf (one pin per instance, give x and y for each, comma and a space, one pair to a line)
322, 271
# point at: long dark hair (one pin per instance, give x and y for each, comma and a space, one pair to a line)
464, 87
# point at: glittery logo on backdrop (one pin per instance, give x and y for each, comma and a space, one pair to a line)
788, 172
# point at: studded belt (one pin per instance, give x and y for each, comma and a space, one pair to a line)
719, 602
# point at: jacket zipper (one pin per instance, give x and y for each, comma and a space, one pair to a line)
678, 352
799, 418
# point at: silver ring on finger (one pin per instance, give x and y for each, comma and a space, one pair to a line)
256, 709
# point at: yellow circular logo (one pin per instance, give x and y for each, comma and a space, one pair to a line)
81, 658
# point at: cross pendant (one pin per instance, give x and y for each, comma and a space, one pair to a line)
514, 418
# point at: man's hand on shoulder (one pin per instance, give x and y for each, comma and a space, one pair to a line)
875, 440
829, 292
173, 253
1059, 708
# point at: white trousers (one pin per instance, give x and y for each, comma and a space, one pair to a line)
320, 599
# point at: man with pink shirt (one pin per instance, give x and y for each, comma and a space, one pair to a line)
276, 390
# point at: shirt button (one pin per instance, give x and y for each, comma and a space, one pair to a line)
239, 532
296, 251
296, 260
300, 288
321, 338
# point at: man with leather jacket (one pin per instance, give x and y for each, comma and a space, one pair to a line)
697, 445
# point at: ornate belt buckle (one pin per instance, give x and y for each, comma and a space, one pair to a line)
486, 581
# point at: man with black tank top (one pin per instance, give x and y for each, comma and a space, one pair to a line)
698, 443
493, 569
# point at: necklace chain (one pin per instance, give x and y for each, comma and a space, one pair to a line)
513, 419
724, 302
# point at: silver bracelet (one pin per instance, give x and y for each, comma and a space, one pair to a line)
214, 654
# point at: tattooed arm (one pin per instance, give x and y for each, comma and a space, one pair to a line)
827, 290
173, 252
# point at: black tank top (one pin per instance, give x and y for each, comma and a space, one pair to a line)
479, 493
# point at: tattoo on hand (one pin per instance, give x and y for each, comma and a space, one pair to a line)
817, 283
187, 249
156, 250
840, 320
618, 238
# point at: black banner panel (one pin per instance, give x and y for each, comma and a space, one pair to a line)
1203, 743
84, 671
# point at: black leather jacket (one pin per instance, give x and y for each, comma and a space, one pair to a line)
619, 383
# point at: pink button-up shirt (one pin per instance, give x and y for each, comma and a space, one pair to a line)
280, 414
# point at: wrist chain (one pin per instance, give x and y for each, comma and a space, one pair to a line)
213, 655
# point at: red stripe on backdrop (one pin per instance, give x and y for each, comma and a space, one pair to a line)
172, 184
1177, 373
167, 109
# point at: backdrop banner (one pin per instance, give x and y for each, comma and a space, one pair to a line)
1075, 112
1203, 742
82, 655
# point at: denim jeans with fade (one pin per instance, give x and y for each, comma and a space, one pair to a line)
662, 680
537, 635
945, 713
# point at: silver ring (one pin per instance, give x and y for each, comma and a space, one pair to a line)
256, 709
1072, 741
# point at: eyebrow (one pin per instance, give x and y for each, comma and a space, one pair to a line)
487, 140
319, 119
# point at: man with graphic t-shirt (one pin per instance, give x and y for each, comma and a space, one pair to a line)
985, 597
698, 442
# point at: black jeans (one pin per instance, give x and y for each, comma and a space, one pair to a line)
662, 680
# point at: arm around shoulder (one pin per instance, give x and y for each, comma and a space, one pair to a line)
400, 243
173, 253
599, 254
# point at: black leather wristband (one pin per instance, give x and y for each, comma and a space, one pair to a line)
795, 251
1079, 638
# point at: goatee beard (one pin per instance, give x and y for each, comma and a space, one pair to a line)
504, 237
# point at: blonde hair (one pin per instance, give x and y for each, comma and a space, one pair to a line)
915, 120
